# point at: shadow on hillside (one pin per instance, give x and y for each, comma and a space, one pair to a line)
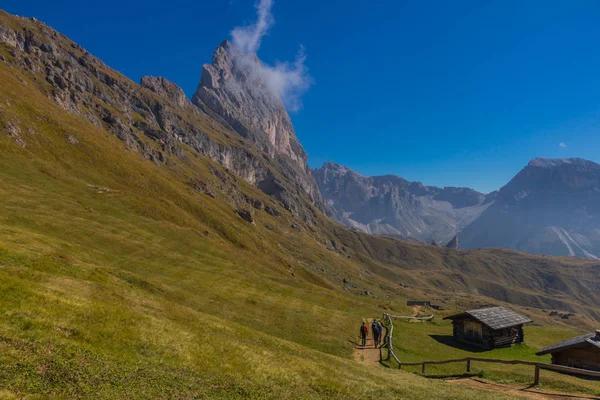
449, 340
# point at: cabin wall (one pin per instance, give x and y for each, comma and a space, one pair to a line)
507, 337
459, 330
489, 338
586, 357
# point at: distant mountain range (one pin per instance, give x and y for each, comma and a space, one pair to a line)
551, 207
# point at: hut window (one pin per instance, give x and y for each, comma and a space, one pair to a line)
473, 330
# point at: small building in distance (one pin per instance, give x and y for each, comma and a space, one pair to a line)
421, 303
579, 352
489, 327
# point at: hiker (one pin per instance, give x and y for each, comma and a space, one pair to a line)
380, 331
376, 332
363, 334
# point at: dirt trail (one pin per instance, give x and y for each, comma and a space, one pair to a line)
368, 355
518, 390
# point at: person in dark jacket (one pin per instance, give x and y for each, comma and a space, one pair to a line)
379, 332
364, 331
376, 332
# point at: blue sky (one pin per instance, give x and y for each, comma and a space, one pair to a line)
460, 93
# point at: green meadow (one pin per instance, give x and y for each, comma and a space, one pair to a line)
415, 342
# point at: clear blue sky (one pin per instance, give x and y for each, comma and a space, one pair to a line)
456, 93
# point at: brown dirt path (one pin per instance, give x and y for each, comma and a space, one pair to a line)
519, 390
368, 355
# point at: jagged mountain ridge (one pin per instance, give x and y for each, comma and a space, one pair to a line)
154, 122
391, 205
552, 206
233, 88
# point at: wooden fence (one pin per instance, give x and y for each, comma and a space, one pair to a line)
390, 332
469, 361
429, 318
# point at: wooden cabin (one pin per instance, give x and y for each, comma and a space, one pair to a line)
489, 327
579, 352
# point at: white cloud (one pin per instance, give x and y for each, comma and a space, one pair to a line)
287, 81
247, 38
563, 145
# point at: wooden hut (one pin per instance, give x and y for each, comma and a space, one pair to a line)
489, 327
579, 352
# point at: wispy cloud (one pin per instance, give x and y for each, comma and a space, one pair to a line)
563, 145
247, 38
287, 81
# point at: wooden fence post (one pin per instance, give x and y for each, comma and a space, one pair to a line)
469, 365
423, 368
536, 379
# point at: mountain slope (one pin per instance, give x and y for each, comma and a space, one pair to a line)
140, 258
394, 206
551, 207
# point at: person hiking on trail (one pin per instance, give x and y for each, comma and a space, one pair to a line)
363, 334
375, 330
380, 331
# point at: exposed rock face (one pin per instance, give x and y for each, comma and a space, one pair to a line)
453, 244
83, 85
167, 89
551, 207
233, 88
390, 205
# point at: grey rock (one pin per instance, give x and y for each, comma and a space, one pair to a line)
231, 88
272, 211
392, 206
167, 89
453, 243
71, 139
245, 215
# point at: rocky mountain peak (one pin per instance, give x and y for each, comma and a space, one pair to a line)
236, 88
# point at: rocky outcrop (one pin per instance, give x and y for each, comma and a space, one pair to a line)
392, 206
233, 88
167, 89
551, 207
453, 244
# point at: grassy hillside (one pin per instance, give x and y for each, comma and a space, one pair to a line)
119, 278
145, 288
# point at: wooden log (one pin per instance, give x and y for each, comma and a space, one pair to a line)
578, 371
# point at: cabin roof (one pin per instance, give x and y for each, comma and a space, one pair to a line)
590, 338
494, 317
